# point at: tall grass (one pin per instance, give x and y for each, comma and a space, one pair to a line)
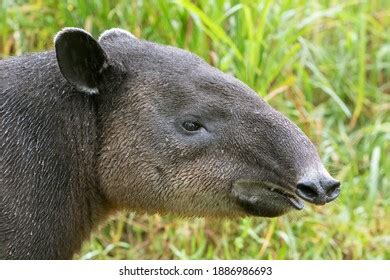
325, 64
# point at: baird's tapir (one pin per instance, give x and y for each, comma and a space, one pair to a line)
119, 123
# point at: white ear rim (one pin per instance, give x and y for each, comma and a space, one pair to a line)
67, 29
116, 31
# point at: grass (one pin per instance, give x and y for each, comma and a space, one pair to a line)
325, 64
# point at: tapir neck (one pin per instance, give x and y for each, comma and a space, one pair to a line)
49, 178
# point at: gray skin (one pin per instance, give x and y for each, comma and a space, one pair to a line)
118, 123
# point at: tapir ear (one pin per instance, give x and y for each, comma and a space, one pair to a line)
81, 59
115, 34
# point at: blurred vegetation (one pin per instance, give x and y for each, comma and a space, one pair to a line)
325, 64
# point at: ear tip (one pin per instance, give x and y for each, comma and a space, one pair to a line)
116, 32
67, 31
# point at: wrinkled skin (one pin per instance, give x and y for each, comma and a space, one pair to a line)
125, 124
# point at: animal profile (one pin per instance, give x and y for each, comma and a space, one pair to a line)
119, 123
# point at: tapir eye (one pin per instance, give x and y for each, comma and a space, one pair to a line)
192, 125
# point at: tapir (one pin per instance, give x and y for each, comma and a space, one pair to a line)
117, 123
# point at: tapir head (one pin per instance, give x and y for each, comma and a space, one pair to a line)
178, 136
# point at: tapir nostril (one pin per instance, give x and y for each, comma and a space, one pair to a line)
308, 191
332, 189
318, 191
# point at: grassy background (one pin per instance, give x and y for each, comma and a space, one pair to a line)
325, 64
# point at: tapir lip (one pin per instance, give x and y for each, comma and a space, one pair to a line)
295, 201
255, 195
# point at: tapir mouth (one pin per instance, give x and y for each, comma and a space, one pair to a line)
265, 198
296, 202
